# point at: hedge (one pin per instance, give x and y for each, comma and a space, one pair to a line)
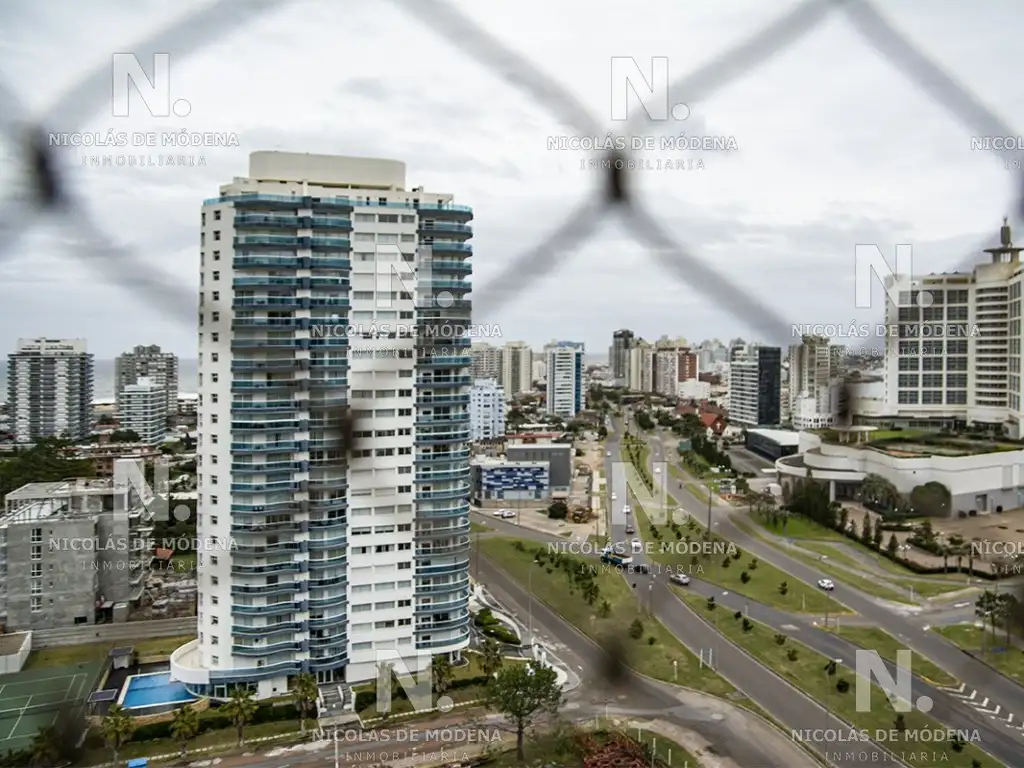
366, 699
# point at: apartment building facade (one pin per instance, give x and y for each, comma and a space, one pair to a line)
486, 361
334, 409
755, 381
618, 356
50, 389
151, 363
814, 383
486, 410
516, 368
143, 410
565, 385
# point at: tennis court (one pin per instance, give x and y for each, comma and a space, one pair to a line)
29, 700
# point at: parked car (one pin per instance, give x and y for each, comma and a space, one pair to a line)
826, 584
679, 578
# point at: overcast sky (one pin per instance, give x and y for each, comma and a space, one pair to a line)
834, 148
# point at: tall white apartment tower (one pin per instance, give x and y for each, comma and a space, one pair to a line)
565, 393
814, 383
334, 426
143, 410
49, 389
487, 410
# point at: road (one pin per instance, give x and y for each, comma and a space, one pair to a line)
1001, 692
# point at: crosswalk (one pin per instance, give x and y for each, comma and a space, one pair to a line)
971, 698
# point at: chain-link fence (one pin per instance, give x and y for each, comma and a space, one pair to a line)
51, 196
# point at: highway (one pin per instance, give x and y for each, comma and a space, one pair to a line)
1001, 692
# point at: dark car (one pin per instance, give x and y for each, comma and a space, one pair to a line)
640, 568
630, 530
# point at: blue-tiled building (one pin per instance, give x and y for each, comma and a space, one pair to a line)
503, 480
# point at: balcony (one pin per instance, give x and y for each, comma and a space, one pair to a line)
265, 649
270, 302
440, 420
246, 261
449, 246
460, 640
256, 220
276, 241
290, 566
450, 266
444, 361
331, 223
444, 227
266, 629
441, 400
455, 492
266, 405
265, 590
441, 512
330, 244
451, 381
443, 569
272, 609
290, 445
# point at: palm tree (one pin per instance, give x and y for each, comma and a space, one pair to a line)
305, 692
117, 728
240, 708
185, 727
443, 674
43, 750
491, 660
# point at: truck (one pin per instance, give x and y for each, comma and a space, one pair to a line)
615, 558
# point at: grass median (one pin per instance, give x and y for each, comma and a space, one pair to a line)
656, 653
1007, 659
762, 582
887, 645
806, 670
921, 588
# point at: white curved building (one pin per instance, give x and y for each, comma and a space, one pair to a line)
979, 475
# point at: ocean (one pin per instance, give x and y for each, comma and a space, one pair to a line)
103, 386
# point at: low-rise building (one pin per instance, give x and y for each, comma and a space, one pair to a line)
73, 552
496, 482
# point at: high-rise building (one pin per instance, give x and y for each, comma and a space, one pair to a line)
334, 426
149, 362
755, 378
540, 370
565, 390
486, 410
516, 368
49, 389
143, 410
666, 372
641, 367
956, 357
814, 383
486, 361
618, 356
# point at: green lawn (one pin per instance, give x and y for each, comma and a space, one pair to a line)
807, 672
796, 527
220, 741
69, 655
764, 578
1009, 662
876, 588
921, 588
553, 587
476, 527
887, 645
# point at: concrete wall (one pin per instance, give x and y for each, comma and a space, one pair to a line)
107, 633
67, 576
12, 663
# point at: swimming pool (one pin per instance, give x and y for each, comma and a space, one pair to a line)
153, 691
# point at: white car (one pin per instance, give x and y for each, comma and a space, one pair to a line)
507, 514
609, 454
615, 497
637, 545
679, 578
826, 584
657, 470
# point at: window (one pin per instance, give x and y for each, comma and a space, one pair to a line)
214, 620
37, 604
37, 552
37, 569
365, 218
408, 219
37, 535
363, 237
216, 275
216, 215
404, 566
388, 218
408, 238
216, 234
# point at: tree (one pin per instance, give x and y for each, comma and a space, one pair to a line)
878, 535
443, 674
932, 499
305, 692
184, 727
893, 546
124, 436
117, 727
491, 659
865, 530
636, 629
522, 692
49, 460
43, 750
240, 709
558, 510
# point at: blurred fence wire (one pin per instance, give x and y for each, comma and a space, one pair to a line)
50, 198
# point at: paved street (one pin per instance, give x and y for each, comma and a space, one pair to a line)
1000, 691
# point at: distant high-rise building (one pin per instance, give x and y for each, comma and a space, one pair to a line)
641, 366
486, 410
152, 363
618, 357
565, 386
540, 370
814, 383
332, 457
50, 389
143, 410
755, 380
516, 368
486, 361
